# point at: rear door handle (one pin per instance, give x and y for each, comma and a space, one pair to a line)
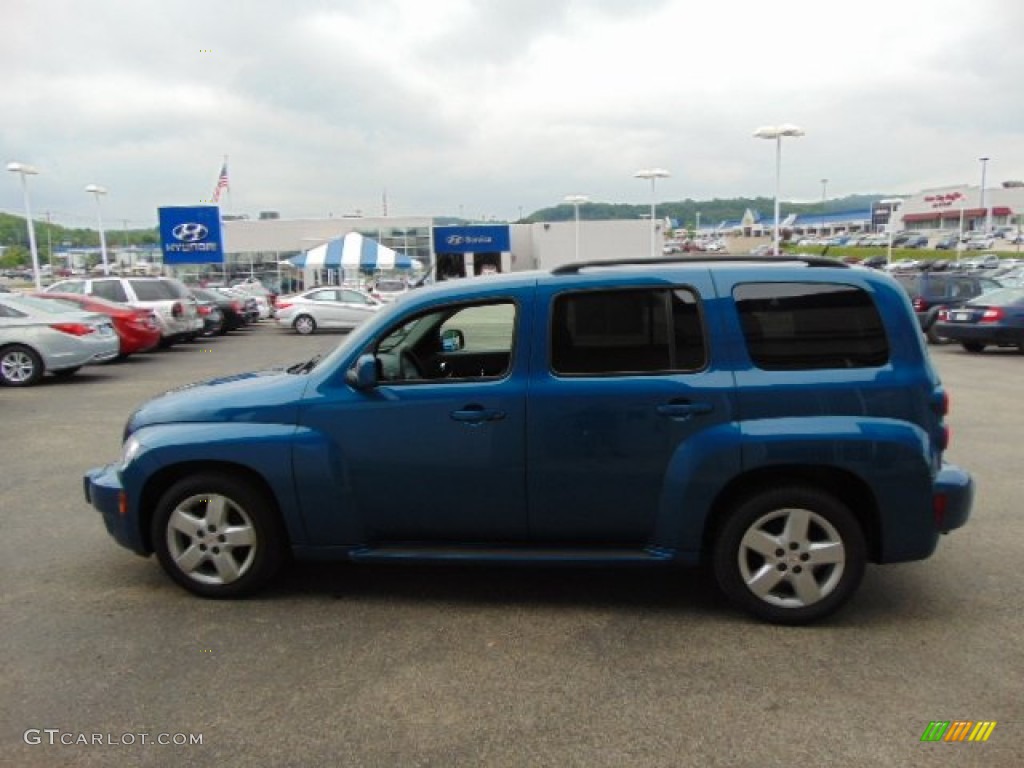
477, 414
684, 410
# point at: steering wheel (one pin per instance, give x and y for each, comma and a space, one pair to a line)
408, 366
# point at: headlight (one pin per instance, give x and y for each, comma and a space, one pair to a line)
131, 449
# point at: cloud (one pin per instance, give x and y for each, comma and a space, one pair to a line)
490, 106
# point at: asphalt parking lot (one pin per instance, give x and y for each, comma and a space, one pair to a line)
365, 666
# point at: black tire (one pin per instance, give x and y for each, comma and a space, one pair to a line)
934, 338
66, 372
973, 346
20, 366
304, 325
788, 541
217, 536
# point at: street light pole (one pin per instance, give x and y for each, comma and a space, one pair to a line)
652, 174
576, 201
984, 207
96, 192
777, 132
824, 187
894, 204
24, 170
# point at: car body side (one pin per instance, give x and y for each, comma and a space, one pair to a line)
850, 433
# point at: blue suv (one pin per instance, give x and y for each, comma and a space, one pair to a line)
777, 420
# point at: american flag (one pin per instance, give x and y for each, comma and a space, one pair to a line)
222, 182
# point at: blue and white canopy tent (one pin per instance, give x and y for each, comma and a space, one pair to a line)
351, 252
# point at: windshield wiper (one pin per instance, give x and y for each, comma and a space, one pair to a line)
305, 367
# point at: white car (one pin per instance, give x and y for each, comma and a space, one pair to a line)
40, 336
325, 307
388, 289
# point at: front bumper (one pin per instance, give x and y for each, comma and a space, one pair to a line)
104, 491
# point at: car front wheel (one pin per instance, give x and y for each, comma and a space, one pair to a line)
216, 536
790, 555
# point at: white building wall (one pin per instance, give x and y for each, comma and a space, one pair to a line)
554, 243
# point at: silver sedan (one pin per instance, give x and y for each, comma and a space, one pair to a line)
40, 335
325, 307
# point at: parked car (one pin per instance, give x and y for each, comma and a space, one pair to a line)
933, 291
779, 420
979, 243
39, 336
388, 289
916, 241
210, 313
250, 304
325, 307
233, 315
137, 329
264, 297
948, 242
175, 308
993, 319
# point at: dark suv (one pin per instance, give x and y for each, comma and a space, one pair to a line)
931, 291
779, 420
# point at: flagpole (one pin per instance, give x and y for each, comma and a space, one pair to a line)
230, 203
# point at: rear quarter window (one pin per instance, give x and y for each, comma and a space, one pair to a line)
805, 326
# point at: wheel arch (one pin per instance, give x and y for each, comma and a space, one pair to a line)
161, 481
847, 487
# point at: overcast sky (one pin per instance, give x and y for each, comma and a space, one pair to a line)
489, 108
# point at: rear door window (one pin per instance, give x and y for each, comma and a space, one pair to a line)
627, 331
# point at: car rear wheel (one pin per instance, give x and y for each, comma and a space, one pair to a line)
20, 366
973, 346
217, 536
305, 325
790, 555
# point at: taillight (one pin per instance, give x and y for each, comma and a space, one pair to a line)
920, 305
177, 310
74, 329
992, 315
943, 314
203, 309
283, 304
236, 307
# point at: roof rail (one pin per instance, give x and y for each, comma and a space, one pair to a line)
810, 261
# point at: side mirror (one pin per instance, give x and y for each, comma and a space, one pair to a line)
363, 375
452, 340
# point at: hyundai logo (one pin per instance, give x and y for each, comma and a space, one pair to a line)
190, 232
454, 239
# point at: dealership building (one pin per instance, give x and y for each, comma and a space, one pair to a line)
266, 244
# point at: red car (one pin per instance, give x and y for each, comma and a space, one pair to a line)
137, 329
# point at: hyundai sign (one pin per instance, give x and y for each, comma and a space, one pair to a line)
485, 239
191, 235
